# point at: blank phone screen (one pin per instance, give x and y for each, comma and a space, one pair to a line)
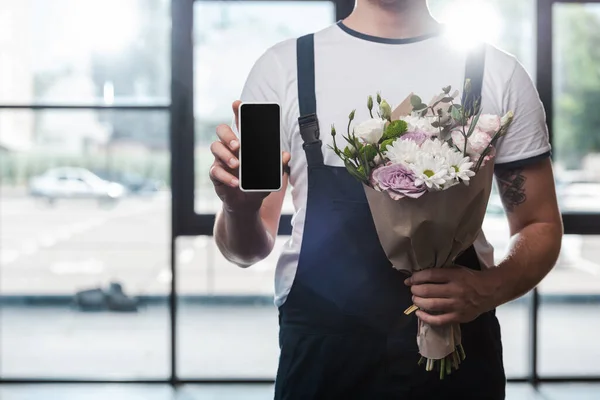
260, 150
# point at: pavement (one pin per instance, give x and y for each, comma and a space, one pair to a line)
79, 244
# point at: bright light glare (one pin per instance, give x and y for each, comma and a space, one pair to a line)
107, 26
471, 21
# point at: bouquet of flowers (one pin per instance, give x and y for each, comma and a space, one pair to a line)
427, 171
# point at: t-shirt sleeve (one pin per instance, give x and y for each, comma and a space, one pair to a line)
527, 140
265, 83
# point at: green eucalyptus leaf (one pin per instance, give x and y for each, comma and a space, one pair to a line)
447, 89
447, 99
415, 100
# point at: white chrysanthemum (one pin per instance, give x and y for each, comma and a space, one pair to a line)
435, 147
459, 167
402, 152
430, 171
420, 124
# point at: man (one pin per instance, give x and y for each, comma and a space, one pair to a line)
342, 331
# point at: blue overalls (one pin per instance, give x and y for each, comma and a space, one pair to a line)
343, 334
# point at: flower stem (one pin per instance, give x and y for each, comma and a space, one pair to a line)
442, 367
411, 310
455, 359
462, 352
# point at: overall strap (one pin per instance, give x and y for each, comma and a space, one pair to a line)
308, 121
474, 70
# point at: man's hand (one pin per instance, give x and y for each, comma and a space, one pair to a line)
246, 227
451, 295
224, 171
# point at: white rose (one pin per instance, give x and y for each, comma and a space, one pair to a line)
420, 124
370, 131
489, 123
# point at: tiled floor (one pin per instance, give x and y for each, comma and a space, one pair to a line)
58, 342
217, 392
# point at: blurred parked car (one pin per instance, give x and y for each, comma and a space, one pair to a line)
71, 182
135, 184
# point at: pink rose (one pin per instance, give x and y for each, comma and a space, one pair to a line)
488, 123
478, 142
397, 180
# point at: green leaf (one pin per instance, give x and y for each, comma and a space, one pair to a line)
435, 124
415, 101
384, 145
447, 89
394, 130
353, 171
361, 170
446, 99
456, 114
348, 153
473, 124
370, 152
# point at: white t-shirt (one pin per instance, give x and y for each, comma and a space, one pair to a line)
350, 66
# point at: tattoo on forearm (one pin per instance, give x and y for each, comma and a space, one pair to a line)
512, 188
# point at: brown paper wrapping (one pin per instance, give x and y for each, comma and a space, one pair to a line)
431, 232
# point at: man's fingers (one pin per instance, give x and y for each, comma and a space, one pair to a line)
224, 155
432, 275
228, 138
220, 176
434, 305
432, 291
236, 111
437, 320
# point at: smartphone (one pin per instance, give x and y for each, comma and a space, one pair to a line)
260, 147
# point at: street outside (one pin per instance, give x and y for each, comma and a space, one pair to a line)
80, 244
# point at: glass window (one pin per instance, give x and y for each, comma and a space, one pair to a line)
84, 233
221, 66
570, 299
228, 324
107, 52
508, 24
576, 89
570, 293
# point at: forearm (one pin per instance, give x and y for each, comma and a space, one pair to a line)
242, 237
532, 255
